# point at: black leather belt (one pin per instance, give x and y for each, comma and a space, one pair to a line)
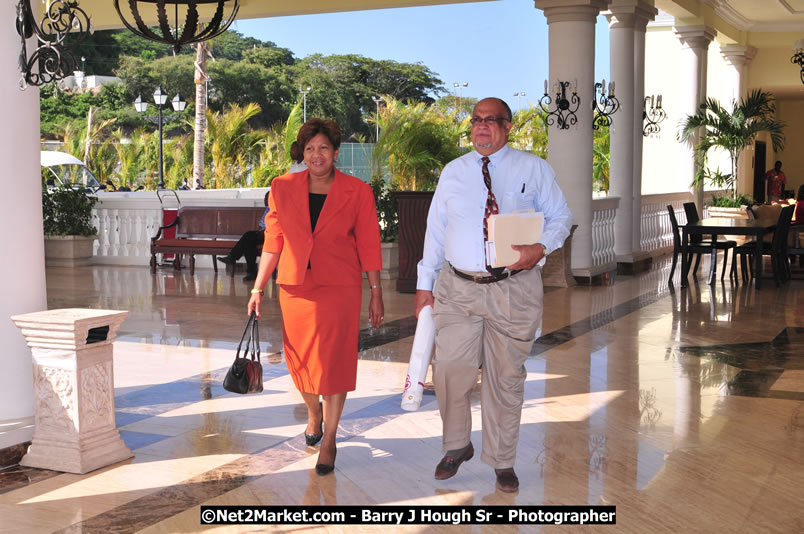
490, 279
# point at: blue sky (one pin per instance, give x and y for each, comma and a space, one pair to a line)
499, 48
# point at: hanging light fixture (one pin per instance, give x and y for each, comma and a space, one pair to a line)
53, 59
180, 33
798, 57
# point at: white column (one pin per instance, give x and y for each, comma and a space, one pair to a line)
643, 16
572, 59
621, 184
738, 57
22, 274
695, 42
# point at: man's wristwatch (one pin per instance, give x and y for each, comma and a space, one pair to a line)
544, 249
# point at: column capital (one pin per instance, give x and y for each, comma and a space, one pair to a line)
695, 36
738, 55
577, 11
630, 14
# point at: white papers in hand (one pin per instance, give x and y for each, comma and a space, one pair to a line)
420, 354
516, 228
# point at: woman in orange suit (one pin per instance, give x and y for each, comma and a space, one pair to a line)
322, 232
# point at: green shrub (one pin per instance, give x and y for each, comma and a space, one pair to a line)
729, 202
68, 211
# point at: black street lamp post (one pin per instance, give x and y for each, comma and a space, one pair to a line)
160, 98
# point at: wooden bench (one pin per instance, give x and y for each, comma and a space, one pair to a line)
205, 230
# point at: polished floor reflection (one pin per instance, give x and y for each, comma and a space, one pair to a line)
683, 408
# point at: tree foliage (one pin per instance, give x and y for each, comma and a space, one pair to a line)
68, 211
242, 70
416, 141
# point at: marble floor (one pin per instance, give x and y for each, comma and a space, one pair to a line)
682, 408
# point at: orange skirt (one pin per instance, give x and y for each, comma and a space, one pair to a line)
321, 327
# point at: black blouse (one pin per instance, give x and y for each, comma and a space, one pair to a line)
316, 204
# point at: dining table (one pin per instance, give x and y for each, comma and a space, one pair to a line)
716, 226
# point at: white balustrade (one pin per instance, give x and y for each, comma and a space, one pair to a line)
127, 221
657, 234
604, 211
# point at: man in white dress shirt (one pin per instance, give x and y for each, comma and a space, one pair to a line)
485, 317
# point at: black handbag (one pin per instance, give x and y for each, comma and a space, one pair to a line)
245, 374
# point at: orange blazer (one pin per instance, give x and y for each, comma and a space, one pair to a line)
346, 240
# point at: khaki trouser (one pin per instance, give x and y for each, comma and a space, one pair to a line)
490, 325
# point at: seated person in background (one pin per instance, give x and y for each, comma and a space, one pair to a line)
776, 180
247, 244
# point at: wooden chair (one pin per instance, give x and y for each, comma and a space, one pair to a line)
776, 249
700, 248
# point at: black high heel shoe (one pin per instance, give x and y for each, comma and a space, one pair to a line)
325, 469
312, 439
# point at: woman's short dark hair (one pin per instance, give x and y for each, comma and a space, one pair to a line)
317, 126
296, 152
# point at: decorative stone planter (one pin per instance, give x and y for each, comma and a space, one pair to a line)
73, 389
68, 250
390, 261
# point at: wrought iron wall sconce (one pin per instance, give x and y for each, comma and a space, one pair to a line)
798, 57
604, 106
178, 35
563, 112
652, 115
53, 59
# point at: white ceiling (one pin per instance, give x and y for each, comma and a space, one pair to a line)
104, 16
761, 15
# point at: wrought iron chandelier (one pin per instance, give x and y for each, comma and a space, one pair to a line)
179, 34
52, 60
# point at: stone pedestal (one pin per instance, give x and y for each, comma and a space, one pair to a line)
73, 389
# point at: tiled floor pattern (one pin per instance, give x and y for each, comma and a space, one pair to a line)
683, 408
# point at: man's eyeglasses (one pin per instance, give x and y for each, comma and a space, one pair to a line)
488, 120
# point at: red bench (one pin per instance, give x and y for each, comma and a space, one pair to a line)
205, 230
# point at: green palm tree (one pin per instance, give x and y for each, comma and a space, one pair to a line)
601, 159
529, 131
128, 150
732, 130
416, 141
273, 158
231, 143
179, 160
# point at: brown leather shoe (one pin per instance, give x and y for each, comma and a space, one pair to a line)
448, 465
507, 481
